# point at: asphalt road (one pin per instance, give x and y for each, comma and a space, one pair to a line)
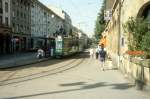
76, 77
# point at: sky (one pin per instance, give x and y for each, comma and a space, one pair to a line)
83, 13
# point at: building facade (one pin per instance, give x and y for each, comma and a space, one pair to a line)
45, 24
67, 24
122, 10
117, 38
66, 30
26, 24
5, 30
20, 18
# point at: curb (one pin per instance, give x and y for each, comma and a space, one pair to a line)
14, 65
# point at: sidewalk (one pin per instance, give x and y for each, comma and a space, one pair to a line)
85, 80
19, 59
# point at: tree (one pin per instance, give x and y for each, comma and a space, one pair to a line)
140, 34
100, 22
138, 28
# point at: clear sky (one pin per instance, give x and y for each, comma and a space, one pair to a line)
82, 12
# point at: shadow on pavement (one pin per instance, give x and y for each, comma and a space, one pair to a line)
122, 86
107, 69
117, 86
73, 84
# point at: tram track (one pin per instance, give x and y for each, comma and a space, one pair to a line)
15, 72
74, 63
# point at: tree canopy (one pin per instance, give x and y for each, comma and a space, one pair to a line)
100, 22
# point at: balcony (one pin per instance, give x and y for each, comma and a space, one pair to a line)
5, 29
4, 26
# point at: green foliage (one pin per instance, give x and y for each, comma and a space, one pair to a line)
146, 42
139, 34
100, 23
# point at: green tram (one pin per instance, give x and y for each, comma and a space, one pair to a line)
66, 46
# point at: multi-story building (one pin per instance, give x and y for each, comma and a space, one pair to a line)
118, 39
67, 23
5, 30
20, 22
45, 24
22, 19
121, 11
83, 40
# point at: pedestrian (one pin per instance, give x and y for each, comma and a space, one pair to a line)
102, 54
52, 51
91, 53
97, 52
40, 53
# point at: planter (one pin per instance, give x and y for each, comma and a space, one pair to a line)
135, 52
139, 85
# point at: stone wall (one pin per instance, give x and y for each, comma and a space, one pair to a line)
136, 69
118, 40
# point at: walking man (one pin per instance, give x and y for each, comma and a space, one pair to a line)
102, 54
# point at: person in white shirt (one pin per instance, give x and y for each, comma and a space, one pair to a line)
40, 53
91, 53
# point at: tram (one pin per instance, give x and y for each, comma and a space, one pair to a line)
66, 46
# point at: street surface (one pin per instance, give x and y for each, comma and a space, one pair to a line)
77, 77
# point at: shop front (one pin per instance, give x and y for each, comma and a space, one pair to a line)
5, 40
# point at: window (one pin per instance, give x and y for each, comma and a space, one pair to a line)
13, 25
1, 8
122, 41
13, 2
6, 21
21, 14
1, 19
17, 28
18, 13
6, 7
1, 4
24, 15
